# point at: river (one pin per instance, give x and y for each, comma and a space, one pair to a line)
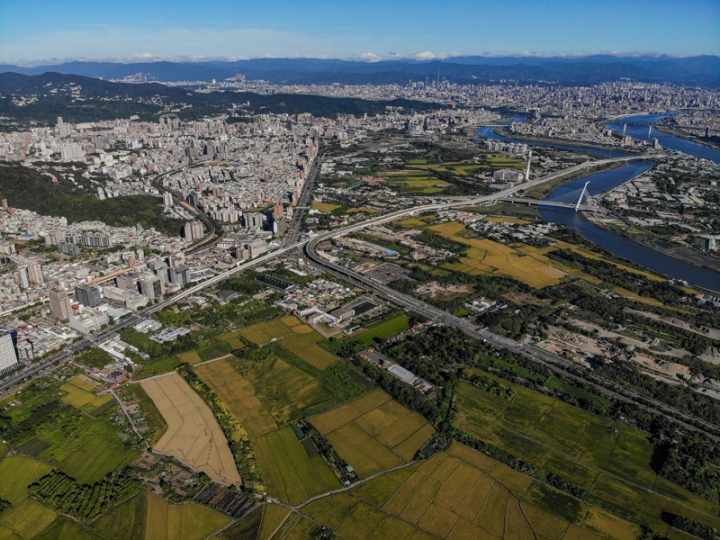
671, 142
604, 181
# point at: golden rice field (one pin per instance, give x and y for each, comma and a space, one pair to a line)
309, 351
81, 393
324, 207
489, 257
463, 494
264, 333
192, 358
265, 397
374, 433
193, 435
500, 219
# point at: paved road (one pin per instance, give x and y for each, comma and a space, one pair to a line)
293, 232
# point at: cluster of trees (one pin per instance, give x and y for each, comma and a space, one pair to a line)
237, 436
681, 398
94, 357
436, 241
4, 505
693, 527
493, 387
84, 501
497, 454
688, 460
606, 271
563, 484
153, 348
53, 412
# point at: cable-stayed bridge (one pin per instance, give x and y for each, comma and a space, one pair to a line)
578, 199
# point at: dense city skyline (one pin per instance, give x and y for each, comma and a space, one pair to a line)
41, 31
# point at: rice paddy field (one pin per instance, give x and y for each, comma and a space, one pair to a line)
374, 433
26, 521
608, 459
191, 358
290, 472
193, 435
81, 395
415, 181
489, 257
265, 397
305, 347
17, 473
95, 457
463, 494
264, 333
324, 207
147, 516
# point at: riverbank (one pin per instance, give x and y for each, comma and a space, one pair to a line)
686, 255
543, 190
679, 133
503, 132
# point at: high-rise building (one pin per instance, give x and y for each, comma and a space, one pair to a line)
151, 286
253, 219
35, 273
59, 304
167, 200
8, 354
179, 274
193, 230
192, 199
68, 249
24, 276
278, 210
88, 296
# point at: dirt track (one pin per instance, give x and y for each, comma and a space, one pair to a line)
193, 435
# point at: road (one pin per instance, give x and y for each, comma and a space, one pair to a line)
293, 232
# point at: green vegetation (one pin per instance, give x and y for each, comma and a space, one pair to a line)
384, 330
374, 433
292, 474
126, 521
77, 201
83, 501
236, 435
635, 282
247, 528
17, 473
94, 357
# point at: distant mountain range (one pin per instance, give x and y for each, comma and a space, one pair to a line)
695, 70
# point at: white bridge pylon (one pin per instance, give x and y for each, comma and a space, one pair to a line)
583, 194
573, 199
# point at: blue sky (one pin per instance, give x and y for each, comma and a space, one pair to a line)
33, 30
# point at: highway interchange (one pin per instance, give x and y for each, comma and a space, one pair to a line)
552, 362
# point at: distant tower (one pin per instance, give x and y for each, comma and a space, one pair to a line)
649, 131
624, 129
438, 79
527, 171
